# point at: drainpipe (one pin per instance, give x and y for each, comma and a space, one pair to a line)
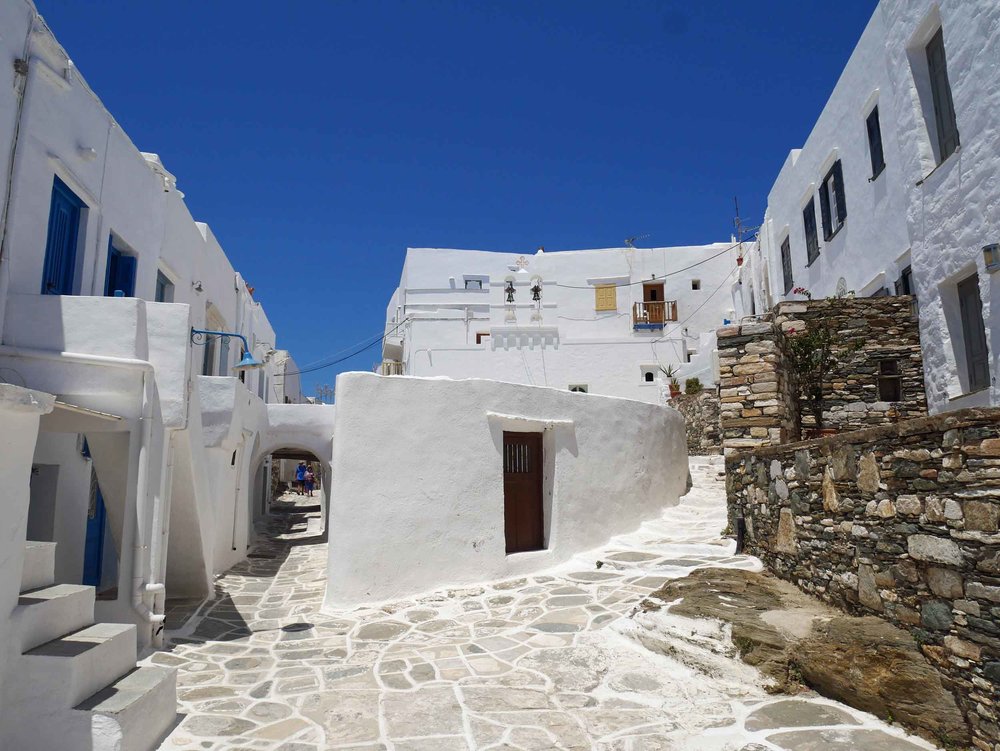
139, 567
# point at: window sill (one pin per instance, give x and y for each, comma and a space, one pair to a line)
836, 231
877, 175
927, 177
968, 393
810, 263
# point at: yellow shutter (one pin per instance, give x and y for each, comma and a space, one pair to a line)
605, 297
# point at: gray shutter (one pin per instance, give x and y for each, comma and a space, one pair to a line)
944, 106
824, 207
838, 186
974, 331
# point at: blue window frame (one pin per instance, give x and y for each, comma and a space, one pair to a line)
59, 274
119, 280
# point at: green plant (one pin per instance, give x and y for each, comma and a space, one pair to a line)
675, 385
813, 353
668, 371
692, 386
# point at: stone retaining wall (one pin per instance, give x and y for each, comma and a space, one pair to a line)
701, 416
902, 521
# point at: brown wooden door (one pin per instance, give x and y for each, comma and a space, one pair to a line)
522, 491
652, 297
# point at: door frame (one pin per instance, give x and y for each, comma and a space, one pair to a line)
523, 491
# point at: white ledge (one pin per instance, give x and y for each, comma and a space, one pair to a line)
522, 423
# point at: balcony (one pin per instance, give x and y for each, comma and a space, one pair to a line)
653, 315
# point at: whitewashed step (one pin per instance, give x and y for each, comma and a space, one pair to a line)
39, 565
67, 670
45, 614
134, 712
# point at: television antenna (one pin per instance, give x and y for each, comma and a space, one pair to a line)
631, 241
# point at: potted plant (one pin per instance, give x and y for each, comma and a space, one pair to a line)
675, 388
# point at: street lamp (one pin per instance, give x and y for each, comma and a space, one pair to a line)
249, 362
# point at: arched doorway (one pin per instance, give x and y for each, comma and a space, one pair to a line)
279, 482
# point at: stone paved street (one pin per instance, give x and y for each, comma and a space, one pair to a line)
552, 661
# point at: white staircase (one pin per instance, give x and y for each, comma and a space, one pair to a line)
77, 681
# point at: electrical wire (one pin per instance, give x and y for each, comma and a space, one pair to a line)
366, 345
691, 315
655, 278
363, 345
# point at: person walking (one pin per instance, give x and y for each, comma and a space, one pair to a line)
310, 481
300, 478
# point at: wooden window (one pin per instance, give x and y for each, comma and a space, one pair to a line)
606, 297
481, 336
833, 202
944, 107
164, 288
890, 386
812, 238
977, 357
786, 264
875, 143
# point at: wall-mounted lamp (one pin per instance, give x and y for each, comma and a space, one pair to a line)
509, 291
198, 287
991, 254
249, 362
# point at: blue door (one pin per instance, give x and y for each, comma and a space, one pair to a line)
93, 547
59, 275
119, 280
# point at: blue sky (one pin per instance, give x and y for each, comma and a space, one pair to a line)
320, 139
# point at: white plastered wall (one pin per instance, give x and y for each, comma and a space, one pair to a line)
417, 496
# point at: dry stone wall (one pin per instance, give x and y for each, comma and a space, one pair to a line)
875, 339
701, 417
756, 408
870, 331
900, 521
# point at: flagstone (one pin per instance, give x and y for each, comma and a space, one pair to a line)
532, 662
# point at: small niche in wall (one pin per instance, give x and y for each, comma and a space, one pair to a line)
578, 388
890, 386
696, 284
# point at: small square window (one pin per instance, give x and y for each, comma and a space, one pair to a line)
696, 284
578, 388
481, 336
473, 283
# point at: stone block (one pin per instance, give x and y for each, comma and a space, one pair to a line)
750, 329
987, 447
868, 473
908, 505
962, 648
945, 583
936, 615
981, 517
982, 591
934, 549
886, 509
952, 510
868, 589
786, 539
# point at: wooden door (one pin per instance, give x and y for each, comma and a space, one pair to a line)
522, 491
59, 274
652, 297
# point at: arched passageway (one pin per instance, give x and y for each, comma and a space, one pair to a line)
292, 481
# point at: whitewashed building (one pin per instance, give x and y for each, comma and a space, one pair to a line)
895, 191
606, 321
137, 457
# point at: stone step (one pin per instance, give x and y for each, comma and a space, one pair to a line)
45, 614
39, 565
67, 670
134, 712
